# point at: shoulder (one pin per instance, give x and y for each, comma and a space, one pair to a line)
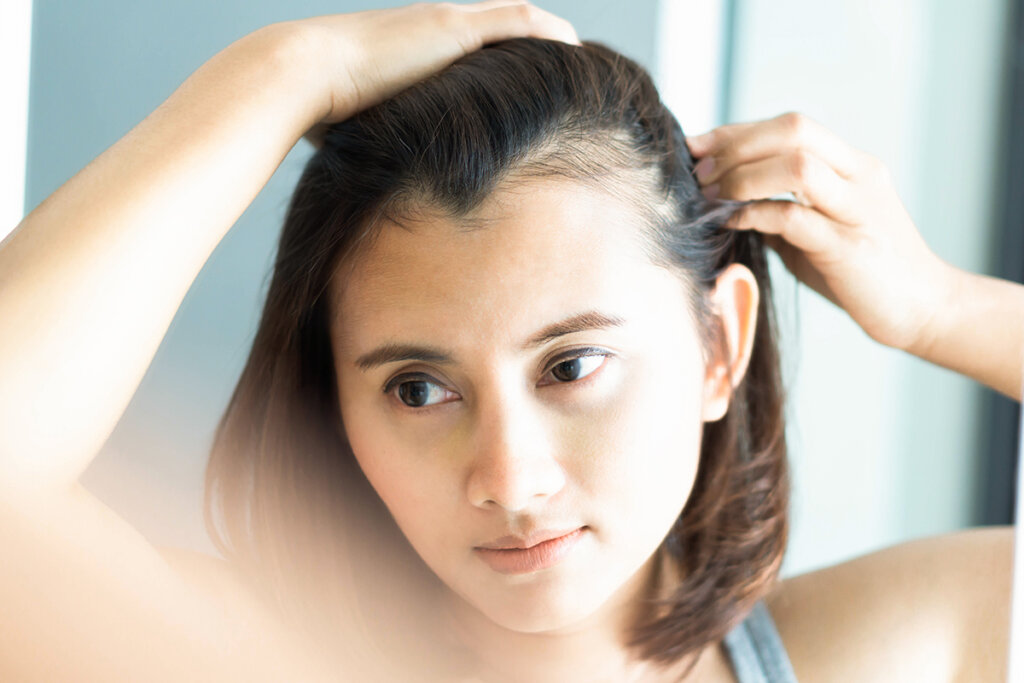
935, 609
216, 579
256, 627
193, 566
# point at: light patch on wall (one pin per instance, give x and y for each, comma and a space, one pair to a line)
15, 52
690, 71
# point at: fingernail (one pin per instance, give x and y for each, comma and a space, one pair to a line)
711, 191
704, 168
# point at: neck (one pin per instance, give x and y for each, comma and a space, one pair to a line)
592, 650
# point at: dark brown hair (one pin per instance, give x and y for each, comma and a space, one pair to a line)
294, 507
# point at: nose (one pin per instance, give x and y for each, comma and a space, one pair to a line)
514, 462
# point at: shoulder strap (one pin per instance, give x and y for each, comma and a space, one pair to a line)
757, 652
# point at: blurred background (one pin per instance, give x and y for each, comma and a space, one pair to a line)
884, 447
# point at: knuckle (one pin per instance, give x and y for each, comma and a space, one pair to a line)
878, 169
529, 14
801, 166
795, 124
789, 211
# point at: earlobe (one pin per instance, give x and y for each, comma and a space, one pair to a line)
735, 301
716, 394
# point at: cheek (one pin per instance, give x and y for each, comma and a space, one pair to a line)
406, 478
388, 464
649, 443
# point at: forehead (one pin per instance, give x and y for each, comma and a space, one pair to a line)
532, 253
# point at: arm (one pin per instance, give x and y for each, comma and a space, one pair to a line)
980, 333
86, 598
89, 282
91, 279
851, 240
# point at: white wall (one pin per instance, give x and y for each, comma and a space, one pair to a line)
883, 444
15, 43
690, 70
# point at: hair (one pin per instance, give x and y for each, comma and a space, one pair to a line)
294, 506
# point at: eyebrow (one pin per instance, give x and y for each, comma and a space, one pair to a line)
392, 353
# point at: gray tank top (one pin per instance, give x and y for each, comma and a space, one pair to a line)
756, 650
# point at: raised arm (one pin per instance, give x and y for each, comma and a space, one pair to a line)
850, 239
979, 332
91, 279
89, 282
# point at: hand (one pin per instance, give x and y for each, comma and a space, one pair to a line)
369, 56
848, 236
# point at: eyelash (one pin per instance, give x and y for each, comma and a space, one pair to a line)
575, 354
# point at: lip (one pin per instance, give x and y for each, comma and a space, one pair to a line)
529, 554
524, 542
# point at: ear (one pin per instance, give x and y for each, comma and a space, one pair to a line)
734, 300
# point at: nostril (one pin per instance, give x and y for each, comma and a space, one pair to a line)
515, 488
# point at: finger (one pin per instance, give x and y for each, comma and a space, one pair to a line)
797, 264
491, 4
799, 172
500, 20
740, 143
800, 226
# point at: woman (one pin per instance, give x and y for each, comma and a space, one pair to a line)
453, 453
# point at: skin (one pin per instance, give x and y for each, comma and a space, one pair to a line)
504, 446
129, 233
850, 239
131, 230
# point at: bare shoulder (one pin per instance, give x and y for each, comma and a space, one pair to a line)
210, 574
257, 628
935, 609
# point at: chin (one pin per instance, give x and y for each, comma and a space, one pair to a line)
549, 609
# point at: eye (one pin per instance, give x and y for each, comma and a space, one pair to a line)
581, 364
415, 391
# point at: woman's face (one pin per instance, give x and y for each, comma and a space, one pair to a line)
534, 374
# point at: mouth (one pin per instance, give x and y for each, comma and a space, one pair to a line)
532, 556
